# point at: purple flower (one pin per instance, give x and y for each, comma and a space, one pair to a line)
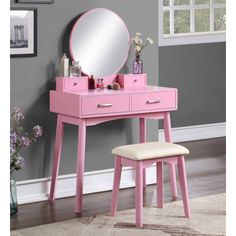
17, 115
37, 131
26, 141
13, 138
20, 139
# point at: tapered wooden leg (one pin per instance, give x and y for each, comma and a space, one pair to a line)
160, 192
80, 167
142, 139
56, 158
183, 185
139, 193
173, 182
116, 185
172, 171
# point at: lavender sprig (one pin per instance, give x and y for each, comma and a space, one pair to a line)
20, 139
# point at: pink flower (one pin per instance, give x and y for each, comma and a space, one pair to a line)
37, 131
17, 115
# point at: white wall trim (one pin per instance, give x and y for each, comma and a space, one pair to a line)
97, 181
196, 132
94, 181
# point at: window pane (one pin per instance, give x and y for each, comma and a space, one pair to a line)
166, 2
182, 21
182, 2
166, 22
220, 1
219, 20
202, 20
202, 1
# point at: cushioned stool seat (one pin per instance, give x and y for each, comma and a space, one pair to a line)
142, 155
151, 150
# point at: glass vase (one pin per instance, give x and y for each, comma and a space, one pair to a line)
137, 65
13, 197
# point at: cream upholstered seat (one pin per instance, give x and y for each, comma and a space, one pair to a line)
140, 156
149, 150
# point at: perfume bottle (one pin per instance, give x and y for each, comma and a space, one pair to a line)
102, 84
98, 86
91, 84
75, 69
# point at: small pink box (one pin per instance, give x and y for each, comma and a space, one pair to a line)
132, 80
71, 83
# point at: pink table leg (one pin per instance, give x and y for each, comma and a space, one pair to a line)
57, 156
142, 139
80, 166
172, 171
116, 185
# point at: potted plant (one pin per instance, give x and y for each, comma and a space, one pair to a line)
19, 139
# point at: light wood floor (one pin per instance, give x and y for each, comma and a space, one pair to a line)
206, 176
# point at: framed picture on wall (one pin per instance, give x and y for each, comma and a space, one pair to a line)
23, 32
36, 1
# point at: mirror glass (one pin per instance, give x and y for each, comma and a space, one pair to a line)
100, 41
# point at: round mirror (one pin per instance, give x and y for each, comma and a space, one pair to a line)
100, 41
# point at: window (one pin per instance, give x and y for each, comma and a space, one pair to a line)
191, 21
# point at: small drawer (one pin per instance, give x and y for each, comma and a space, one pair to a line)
132, 80
154, 101
92, 105
72, 83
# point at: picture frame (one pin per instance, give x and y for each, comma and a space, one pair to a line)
36, 1
23, 32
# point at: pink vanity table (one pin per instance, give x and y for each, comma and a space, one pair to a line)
83, 107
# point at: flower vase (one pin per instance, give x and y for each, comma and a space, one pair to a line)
137, 65
13, 196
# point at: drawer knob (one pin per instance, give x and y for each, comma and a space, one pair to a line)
105, 105
75, 84
153, 101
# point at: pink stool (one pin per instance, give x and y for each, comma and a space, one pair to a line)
141, 156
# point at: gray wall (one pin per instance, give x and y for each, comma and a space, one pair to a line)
198, 71
32, 78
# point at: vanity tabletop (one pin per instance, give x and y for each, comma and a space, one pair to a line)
147, 89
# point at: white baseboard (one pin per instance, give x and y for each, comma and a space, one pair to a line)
196, 132
97, 181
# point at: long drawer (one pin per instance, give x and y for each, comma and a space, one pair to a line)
153, 101
92, 105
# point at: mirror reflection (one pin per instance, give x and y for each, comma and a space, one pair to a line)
100, 41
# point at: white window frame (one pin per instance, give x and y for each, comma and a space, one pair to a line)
189, 38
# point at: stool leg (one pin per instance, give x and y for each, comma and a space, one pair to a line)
159, 174
116, 185
139, 193
183, 185
173, 182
